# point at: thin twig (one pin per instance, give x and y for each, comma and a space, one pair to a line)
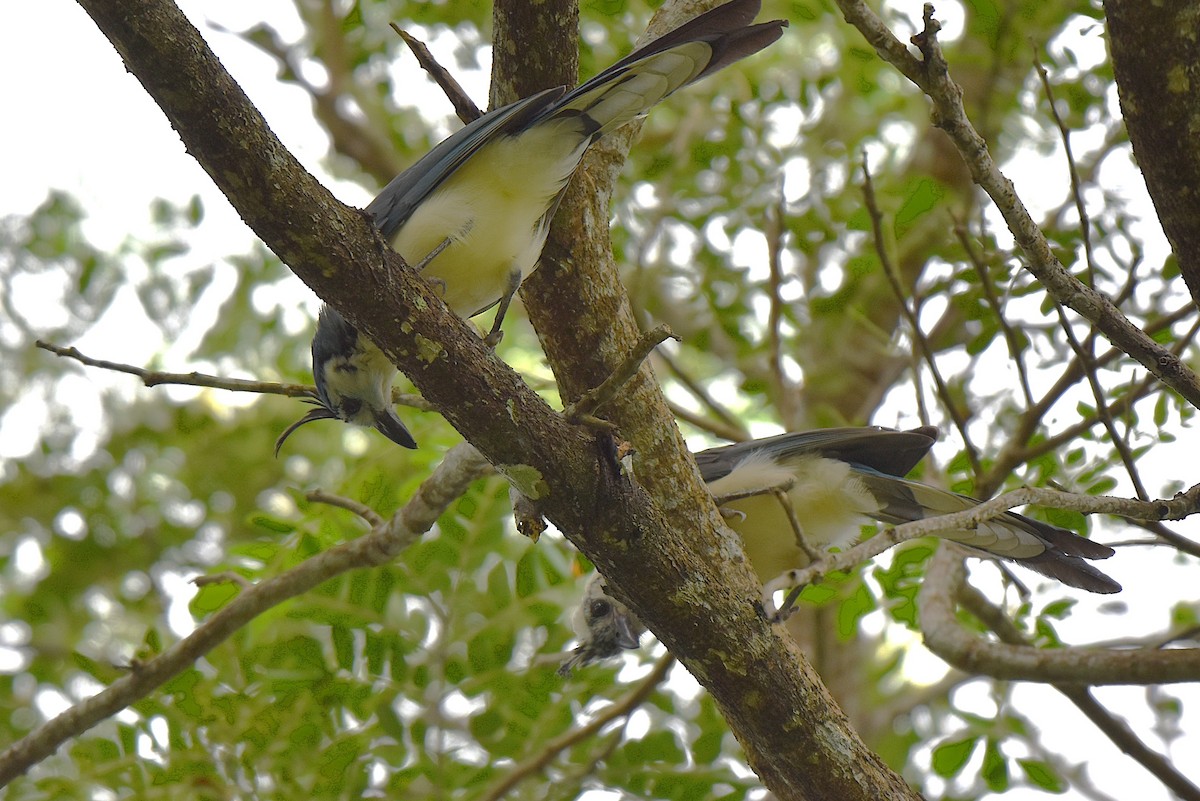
889, 271
729, 421
776, 247
595, 398
464, 106
989, 294
785, 501
1102, 409
714, 427
1085, 223
564, 741
154, 378
372, 517
741, 495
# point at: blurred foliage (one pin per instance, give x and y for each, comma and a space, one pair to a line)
434, 676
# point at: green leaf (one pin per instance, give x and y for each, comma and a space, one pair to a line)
995, 767
212, 597
950, 758
343, 647
1043, 775
852, 610
490, 649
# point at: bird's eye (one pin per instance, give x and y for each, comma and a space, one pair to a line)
351, 407
600, 609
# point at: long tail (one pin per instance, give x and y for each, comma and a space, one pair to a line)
630, 87
1047, 549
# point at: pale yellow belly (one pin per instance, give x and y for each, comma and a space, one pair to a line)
490, 210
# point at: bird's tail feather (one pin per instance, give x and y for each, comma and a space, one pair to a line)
630, 87
1049, 550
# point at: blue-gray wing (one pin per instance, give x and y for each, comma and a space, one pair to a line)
395, 204
725, 32
885, 450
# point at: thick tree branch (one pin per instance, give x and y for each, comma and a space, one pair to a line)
578, 282
1156, 65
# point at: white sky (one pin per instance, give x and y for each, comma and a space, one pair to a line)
78, 122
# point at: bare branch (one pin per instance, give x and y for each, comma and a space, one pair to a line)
154, 378
728, 427
372, 517
785, 394
989, 294
1086, 358
714, 427
1182, 505
595, 398
464, 106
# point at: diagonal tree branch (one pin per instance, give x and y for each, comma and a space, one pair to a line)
450, 480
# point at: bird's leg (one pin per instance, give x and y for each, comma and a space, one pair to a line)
431, 255
792, 581
780, 491
785, 501
495, 335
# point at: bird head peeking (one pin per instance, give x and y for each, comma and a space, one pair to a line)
603, 625
354, 382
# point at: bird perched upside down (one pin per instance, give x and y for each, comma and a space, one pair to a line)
473, 214
838, 479
603, 625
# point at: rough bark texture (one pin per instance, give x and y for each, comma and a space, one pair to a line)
679, 572
1156, 63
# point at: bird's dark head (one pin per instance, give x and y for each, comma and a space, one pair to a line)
604, 626
353, 382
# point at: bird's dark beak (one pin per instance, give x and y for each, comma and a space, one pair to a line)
319, 413
388, 424
627, 636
